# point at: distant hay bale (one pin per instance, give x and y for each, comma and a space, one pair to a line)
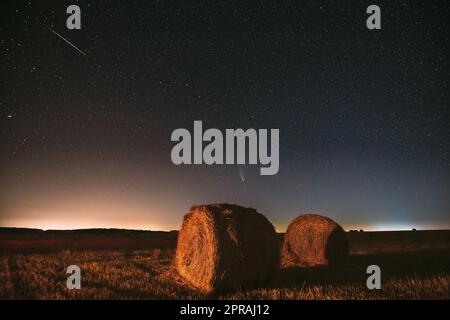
225, 247
312, 240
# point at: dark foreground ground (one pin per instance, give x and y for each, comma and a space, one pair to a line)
120, 264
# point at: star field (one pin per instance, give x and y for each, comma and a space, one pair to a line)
363, 115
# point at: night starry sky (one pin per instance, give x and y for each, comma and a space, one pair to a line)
363, 115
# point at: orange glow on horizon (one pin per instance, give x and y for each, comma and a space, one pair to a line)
44, 224
55, 224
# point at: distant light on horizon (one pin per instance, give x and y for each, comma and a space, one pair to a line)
54, 224
397, 227
51, 224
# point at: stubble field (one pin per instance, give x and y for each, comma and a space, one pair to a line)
414, 265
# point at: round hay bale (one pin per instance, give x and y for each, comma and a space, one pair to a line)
226, 247
312, 240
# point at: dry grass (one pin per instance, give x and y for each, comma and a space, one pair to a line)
414, 266
105, 275
150, 275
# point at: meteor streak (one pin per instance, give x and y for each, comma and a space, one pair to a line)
67, 41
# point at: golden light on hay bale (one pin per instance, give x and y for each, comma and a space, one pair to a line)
312, 240
226, 247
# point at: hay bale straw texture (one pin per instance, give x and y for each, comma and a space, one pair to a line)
312, 240
226, 247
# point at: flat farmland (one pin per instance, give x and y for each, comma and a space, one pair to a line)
117, 264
